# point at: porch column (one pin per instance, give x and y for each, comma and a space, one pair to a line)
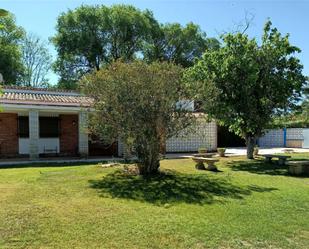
83, 133
34, 134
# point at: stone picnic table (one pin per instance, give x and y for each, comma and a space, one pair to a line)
209, 161
281, 161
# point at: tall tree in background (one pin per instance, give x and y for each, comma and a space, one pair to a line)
177, 44
90, 37
37, 61
3, 12
243, 84
10, 55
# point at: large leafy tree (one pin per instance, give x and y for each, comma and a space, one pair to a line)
177, 44
37, 61
90, 37
243, 84
3, 12
136, 102
10, 55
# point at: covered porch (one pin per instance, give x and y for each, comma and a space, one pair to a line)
38, 133
43, 122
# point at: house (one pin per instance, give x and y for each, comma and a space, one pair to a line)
46, 122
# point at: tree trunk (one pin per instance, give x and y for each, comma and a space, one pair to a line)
149, 168
148, 153
250, 142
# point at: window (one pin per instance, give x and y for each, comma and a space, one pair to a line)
49, 127
23, 126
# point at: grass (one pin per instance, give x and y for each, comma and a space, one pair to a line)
247, 205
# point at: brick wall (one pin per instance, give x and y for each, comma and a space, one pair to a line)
8, 134
68, 134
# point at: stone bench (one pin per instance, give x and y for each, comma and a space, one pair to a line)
298, 167
281, 161
209, 161
205, 155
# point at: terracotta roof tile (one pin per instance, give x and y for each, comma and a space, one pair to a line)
32, 96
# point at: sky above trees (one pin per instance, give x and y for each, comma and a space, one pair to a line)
39, 16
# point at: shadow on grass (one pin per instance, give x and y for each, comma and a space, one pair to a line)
171, 187
259, 167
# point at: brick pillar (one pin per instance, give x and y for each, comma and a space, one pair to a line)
34, 134
82, 133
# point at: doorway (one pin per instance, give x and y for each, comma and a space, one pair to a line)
229, 139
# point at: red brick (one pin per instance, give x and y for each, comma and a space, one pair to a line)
68, 135
8, 134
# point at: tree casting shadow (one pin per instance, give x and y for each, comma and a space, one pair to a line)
171, 187
259, 167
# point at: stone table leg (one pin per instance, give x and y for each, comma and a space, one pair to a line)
200, 165
211, 166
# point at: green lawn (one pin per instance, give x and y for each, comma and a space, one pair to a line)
247, 205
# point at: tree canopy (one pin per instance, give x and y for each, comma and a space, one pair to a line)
91, 37
243, 84
177, 44
137, 103
10, 35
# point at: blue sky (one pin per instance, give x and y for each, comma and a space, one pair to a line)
214, 17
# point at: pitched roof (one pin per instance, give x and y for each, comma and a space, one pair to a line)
46, 97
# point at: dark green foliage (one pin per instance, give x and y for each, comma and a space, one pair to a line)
177, 44
91, 37
10, 55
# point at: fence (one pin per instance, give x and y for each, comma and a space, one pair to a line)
203, 134
290, 137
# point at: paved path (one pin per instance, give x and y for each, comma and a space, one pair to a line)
229, 152
262, 151
241, 152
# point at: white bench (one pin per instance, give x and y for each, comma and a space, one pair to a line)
281, 161
209, 161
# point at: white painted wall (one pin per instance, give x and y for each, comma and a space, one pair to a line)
306, 138
47, 143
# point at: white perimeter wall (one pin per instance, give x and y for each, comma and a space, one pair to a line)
275, 137
203, 134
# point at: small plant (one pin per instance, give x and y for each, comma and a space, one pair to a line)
202, 150
256, 150
221, 151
